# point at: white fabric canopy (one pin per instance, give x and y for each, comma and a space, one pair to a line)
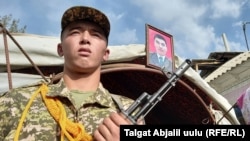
18, 79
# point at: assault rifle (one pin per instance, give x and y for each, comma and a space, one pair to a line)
145, 103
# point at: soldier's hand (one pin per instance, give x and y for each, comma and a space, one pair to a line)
109, 129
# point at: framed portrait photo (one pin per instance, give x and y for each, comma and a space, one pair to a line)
159, 49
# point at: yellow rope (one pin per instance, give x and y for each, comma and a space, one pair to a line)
25, 113
73, 131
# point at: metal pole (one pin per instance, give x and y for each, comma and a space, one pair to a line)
244, 30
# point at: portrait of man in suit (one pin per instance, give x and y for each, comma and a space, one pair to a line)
158, 56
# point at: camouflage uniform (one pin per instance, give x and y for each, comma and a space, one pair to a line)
39, 124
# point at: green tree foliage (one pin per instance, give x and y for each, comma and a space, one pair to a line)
11, 24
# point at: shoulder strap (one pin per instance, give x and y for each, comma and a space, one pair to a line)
117, 100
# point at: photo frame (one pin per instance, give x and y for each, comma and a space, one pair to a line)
159, 49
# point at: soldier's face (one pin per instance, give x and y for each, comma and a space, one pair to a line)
84, 46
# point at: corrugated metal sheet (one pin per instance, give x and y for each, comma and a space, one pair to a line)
228, 66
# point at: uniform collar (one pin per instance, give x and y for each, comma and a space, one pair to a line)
101, 96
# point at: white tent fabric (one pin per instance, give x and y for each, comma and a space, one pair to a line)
42, 50
18, 80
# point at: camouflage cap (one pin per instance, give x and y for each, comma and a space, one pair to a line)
86, 13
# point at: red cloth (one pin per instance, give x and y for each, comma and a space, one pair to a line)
240, 100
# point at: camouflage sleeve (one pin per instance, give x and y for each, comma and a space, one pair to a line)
12, 104
6, 121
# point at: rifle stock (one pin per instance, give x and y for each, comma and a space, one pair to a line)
146, 102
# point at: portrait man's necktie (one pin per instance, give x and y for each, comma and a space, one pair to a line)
161, 60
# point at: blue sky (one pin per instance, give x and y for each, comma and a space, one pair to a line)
196, 26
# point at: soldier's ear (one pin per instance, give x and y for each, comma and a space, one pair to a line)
106, 55
59, 50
